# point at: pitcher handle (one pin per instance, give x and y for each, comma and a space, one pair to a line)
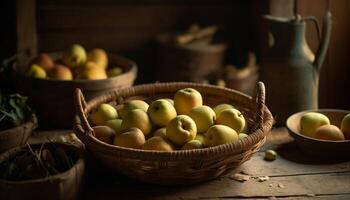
314, 20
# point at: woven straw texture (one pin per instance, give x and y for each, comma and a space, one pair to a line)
181, 166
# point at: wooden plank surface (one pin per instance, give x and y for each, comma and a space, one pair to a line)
293, 175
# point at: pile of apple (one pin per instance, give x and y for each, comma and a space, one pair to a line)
317, 125
75, 63
168, 124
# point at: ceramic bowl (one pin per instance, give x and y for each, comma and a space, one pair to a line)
318, 147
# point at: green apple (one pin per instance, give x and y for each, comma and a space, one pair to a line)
193, 144
242, 135
203, 116
345, 126
137, 118
115, 124
161, 112
103, 113
329, 132
160, 132
132, 105
219, 108
232, 118
186, 99
75, 56
310, 121
131, 138
104, 133
158, 143
200, 137
115, 71
181, 129
220, 134
35, 71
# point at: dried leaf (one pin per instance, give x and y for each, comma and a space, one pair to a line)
280, 185
240, 177
263, 178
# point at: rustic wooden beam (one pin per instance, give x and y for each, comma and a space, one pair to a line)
26, 29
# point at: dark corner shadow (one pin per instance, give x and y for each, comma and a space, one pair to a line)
291, 151
103, 183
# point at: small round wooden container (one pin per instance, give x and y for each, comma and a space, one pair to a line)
62, 186
17, 136
317, 147
53, 99
188, 62
180, 166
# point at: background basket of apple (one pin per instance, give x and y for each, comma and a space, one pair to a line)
49, 80
323, 132
173, 133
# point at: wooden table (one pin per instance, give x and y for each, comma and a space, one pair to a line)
293, 175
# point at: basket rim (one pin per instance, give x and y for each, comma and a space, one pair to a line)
256, 136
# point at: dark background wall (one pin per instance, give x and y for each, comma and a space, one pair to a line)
129, 27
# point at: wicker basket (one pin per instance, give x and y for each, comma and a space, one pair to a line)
53, 100
183, 166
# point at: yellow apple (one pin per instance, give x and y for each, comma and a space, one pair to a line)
115, 124
219, 108
132, 105
193, 144
44, 61
99, 56
75, 56
170, 101
186, 99
158, 143
115, 71
232, 118
329, 132
104, 133
161, 112
203, 116
103, 113
160, 132
131, 138
35, 71
220, 134
310, 121
345, 126
91, 71
137, 118
181, 129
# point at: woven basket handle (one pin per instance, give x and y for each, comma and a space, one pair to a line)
259, 97
80, 106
